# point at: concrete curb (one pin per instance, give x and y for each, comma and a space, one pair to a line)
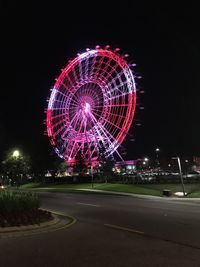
49, 226
29, 227
138, 195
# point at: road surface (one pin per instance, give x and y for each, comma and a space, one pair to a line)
112, 231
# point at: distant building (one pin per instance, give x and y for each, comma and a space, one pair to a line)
127, 166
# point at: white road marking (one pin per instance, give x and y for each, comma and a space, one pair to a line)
124, 228
87, 204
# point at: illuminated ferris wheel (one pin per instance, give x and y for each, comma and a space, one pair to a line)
92, 104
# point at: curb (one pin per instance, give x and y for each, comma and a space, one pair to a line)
49, 226
138, 195
31, 227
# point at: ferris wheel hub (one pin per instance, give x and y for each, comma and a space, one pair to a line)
87, 107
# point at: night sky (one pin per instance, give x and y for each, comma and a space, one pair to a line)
164, 42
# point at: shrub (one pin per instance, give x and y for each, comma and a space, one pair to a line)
18, 201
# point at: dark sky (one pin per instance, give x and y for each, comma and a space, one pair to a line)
164, 42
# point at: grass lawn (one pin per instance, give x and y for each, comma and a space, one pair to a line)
195, 194
193, 190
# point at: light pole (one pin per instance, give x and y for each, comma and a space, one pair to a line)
157, 152
181, 175
186, 162
145, 162
15, 156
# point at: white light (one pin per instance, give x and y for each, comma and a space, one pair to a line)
157, 149
52, 98
146, 159
180, 194
87, 107
16, 153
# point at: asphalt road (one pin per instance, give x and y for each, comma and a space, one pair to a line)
112, 231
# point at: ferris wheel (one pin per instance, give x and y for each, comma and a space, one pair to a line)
92, 105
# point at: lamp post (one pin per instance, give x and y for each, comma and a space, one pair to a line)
181, 175
15, 157
186, 162
145, 162
157, 159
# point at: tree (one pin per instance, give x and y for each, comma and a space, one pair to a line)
16, 166
80, 166
107, 163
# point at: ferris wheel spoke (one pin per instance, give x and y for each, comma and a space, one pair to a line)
89, 145
73, 102
113, 105
70, 91
108, 74
58, 123
58, 115
74, 120
114, 125
118, 105
107, 137
115, 115
57, 101
98, 136
69, 127
70, 148
116, 91
61, 109
66, 94
75, 76
62, 128
104, 130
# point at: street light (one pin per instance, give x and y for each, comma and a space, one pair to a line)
16, 154
186, 162
180, 171
157, 152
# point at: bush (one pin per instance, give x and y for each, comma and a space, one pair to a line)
21, 208
18, 201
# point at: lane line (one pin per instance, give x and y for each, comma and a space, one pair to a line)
87, 204
124, 229
116, 227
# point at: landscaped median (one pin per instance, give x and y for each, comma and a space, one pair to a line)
21, 208
20, 214
193, 190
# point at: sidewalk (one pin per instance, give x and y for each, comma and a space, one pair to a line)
140, 196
